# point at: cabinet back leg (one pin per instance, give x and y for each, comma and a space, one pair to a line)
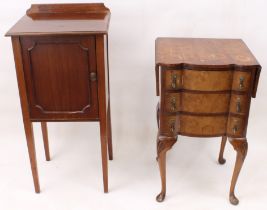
45, 139
109, 132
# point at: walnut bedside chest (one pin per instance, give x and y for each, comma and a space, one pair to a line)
205, 87
60, 52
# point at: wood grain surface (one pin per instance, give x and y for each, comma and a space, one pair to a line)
49, 20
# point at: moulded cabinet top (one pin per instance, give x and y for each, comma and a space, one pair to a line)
204, 52
45, 19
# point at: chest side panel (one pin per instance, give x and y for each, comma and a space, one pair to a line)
57, 72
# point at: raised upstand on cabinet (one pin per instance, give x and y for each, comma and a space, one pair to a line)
205, 87
61, 58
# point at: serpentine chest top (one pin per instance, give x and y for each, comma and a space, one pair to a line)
60, 52
205, 88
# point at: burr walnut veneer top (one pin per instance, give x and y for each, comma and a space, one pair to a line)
200, 51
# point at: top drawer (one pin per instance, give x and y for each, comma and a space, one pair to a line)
207, 80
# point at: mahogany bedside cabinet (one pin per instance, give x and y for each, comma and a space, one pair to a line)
61, 58
205, 87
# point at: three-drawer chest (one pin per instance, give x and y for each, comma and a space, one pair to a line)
205, 88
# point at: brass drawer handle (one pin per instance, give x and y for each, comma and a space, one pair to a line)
236, 127
173, 104
241, 82
172, 126
173, 80
238, 105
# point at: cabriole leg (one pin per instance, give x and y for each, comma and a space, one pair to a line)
163, 145
241, 147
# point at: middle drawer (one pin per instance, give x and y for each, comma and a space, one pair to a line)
206, 103
197, 102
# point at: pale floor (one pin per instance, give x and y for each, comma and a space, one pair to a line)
73, 178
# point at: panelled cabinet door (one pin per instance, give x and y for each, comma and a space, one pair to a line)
61, 79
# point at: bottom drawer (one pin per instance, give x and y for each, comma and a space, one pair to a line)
203, 126
188, 125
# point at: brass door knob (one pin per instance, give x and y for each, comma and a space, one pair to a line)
93, 76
